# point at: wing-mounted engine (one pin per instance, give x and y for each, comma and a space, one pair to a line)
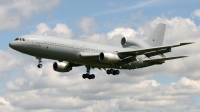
62, 66
136, 43
109, 58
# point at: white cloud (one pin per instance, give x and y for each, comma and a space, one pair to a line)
60, 30
146, 95
5, 106
196, 13
46, 90
41, 29
35, 101
122, 32
12, 13
88, 25
8, 61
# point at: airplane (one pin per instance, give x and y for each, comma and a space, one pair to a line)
74, 53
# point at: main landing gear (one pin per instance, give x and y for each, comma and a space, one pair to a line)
112, 71
40, 60
88, 75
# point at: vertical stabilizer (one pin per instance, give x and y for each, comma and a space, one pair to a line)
157, 37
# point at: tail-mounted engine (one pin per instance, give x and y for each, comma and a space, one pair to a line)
127, 42
108, 58
62, 66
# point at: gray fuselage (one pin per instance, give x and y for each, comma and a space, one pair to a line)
69, 50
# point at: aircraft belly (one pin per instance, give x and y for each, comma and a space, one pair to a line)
135, 65
55, 52
71, 55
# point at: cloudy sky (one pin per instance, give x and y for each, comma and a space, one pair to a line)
171, 87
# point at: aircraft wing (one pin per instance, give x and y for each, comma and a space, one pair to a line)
130, 54
162, 59
153, 51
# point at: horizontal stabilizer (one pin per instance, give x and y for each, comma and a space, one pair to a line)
162, 59
182, 44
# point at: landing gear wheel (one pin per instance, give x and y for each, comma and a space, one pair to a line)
112, 71
40, 60
88, 75
84, 76
93, 76
117, 72
39, 65
108, 72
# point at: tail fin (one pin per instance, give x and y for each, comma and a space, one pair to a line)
157, 37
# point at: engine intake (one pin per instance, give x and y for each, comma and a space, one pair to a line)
62, 66
133, 42
108, 58
129, 42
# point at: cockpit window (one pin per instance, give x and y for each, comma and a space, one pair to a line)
16, 39
20, 39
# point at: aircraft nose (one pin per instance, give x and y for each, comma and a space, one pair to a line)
11, 44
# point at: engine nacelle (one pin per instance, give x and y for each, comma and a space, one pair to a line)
126, 42
108, 58
62, 66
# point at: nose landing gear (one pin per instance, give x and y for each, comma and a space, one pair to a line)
39, 65
40, 60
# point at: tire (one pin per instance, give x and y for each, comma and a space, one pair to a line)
90, 77
93, 76
84, 76
39, 66
117, 72
112, 71
108, 72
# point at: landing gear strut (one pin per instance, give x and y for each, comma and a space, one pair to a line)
111, 71
88, 75
39, 64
